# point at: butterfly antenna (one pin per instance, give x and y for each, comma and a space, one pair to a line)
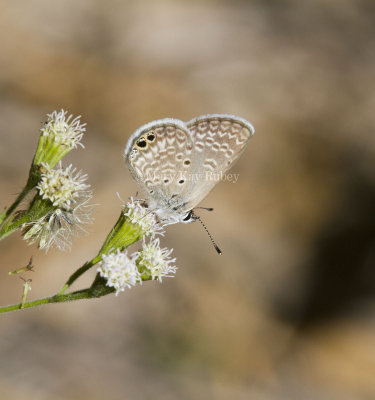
209, 234
205, 208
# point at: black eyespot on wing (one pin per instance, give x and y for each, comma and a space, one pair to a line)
141, 143
181, 181
150, 137
187, 162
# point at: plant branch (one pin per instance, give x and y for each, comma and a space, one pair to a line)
32, 181
80, 271
97, 289
122, 235
7, 213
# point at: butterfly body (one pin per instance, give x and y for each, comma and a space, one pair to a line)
177, 163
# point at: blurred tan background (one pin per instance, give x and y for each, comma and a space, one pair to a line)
288, 311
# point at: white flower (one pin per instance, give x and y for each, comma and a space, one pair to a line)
62, 206
119, 270
57, 227
156, 261
65, 130
143, 217
63, 187
59, 135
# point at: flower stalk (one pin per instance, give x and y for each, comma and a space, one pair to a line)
59, 135
6, 213
97, 289
126, 231
122, 235
117, 271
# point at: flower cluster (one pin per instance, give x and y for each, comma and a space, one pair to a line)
155, 262
119, 270
57, 227
60, 208
151, 263
139, 215
67, 131
59, 135
63, 187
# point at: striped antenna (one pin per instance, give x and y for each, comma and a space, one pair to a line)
208, 233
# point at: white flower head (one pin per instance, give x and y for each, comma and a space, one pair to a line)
143, 217
156, 261
62, 205
57, 228
119, 270
63, 187
66, 130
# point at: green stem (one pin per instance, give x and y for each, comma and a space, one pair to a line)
37, 209
34, 177
4, 216
80, 271
10, 226
123, 234
98, 289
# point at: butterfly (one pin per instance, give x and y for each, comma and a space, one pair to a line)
177, 163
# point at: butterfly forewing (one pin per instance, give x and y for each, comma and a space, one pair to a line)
160, 156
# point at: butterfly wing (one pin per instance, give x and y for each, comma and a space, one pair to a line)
160, 155
219, 140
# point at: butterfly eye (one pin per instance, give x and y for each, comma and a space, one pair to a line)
188, 216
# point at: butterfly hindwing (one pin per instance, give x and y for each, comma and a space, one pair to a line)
219, 139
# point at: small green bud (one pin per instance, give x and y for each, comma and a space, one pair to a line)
135, 222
